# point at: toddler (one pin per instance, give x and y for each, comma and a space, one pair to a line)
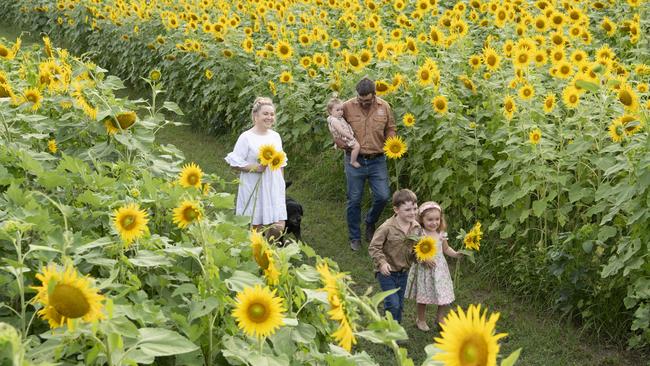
430, 282
341, 129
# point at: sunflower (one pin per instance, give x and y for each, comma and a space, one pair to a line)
571, 97
270, 270
539, 57
616, 130
277, 161
33, 95
130, 222
65, 296
51, 145
579, 57
563, 69
468, 338
266, 154
608, 26
382, 87
425, 249
521, 58
408, 120
475, 62
472, 239
286, 77
155, 75
491, 59
425, 76
187, 213
535, 136
209, 74
344, 335
258, 247
468, 83
540, 23
628, 97
526, 92
630, 123
509, 107
353, 62
126, 119
190, 176
47, 46
440, 104
258, 311
284, 50
549, 103
394, 147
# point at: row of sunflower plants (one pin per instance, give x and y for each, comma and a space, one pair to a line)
527, 116
115, 255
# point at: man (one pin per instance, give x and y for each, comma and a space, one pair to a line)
372, 121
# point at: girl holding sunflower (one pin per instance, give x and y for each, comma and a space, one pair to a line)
259, 157
429, 280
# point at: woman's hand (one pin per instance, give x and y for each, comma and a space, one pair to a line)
430, 263
256, 168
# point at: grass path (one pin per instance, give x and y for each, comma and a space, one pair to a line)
318, 183
319, 186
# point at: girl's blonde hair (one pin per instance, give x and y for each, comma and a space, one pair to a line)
428, 207
258, 104
333, 101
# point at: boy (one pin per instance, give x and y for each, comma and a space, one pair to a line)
392, 250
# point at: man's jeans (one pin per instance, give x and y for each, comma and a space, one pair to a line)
394, 302
376, 172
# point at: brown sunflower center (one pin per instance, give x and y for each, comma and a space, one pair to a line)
257, 313
193, 179
625, 97
565, 69
474, 351
69, 301
491, 60
4, 52
440, 104
128, 222
424, 75
527, 92
523, 58
573, 98
190, 214
284, 50
549, 103
32, 97
395, 148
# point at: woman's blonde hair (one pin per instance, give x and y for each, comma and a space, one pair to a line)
428, 207
258, 104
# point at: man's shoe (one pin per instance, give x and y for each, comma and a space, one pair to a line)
355, 244
370, 232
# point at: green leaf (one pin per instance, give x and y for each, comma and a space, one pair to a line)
241, 280
201, 308
163, 342
606, 232
377, 298
539, 207
146, 258
511, 359
587, 246
587, 85
171, 106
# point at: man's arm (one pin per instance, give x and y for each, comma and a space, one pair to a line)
390, 129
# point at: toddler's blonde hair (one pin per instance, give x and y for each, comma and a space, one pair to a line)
332, 102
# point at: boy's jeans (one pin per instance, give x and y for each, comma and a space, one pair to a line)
395, 302
376, 172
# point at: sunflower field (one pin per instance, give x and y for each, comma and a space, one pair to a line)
528, 116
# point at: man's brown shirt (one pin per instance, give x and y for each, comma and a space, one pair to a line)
371, 126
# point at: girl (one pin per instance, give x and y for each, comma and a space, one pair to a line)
430, 282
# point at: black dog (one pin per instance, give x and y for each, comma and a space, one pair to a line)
294, 216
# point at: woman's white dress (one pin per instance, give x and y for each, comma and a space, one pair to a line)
270, 205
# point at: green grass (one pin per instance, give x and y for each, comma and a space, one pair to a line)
319, 184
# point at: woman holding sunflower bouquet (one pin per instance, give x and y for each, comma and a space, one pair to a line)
259, 157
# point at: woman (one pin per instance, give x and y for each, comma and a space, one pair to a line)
261, 193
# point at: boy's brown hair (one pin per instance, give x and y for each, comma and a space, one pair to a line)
402, 196
334, 101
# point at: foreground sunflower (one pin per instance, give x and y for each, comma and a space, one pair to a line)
190, 176
468, 339
130, 222
258, 311
394, 147
187, 213
65, 296
425, 249
266, 154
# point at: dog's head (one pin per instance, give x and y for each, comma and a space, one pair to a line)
294, 212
